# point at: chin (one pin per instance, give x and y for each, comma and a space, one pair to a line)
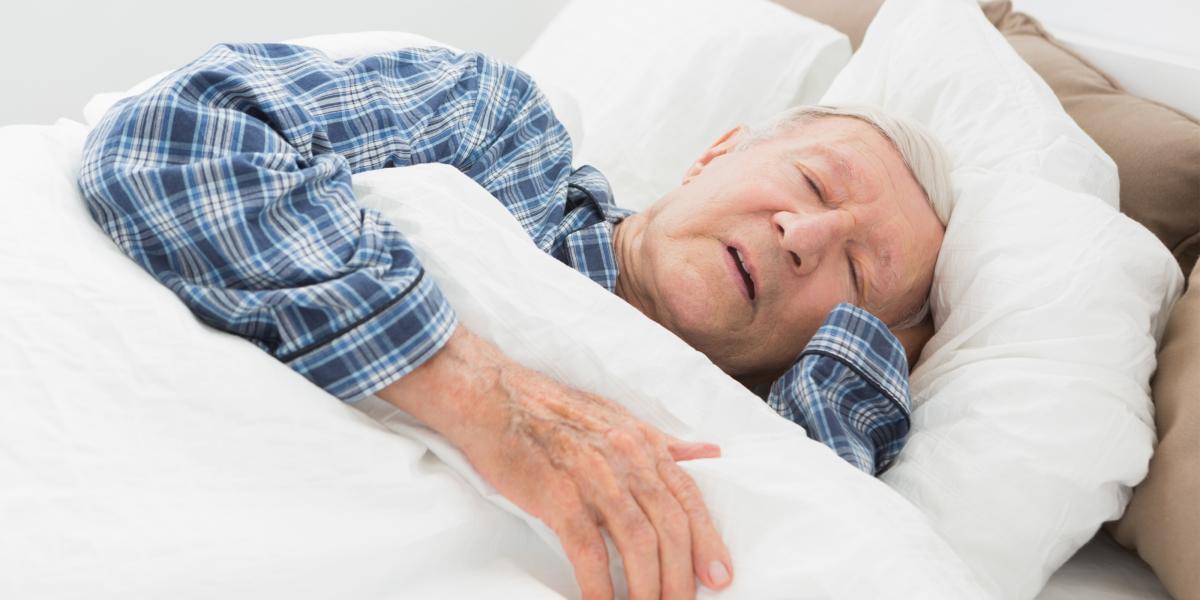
691, 313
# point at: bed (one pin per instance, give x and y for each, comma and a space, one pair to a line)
1105, 571
151, 455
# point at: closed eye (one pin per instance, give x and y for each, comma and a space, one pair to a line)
813, 187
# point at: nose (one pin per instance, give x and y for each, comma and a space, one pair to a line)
810, 237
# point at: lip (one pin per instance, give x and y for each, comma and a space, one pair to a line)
736, 273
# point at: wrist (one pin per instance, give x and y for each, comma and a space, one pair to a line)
450, 391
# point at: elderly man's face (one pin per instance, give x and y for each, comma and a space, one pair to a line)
748, 256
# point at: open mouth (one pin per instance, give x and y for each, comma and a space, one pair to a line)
737, 260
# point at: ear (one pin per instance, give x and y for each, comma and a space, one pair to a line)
724, 145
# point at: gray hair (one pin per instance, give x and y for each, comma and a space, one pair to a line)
922, 153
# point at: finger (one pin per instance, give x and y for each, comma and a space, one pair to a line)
674, 534
637, 542
625, 521
681, 450
585, 548
710, 557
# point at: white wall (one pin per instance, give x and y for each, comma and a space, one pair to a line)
54, 54
1150, 47
1164, 26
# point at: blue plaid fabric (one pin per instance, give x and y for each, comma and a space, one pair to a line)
849, 389
229, 182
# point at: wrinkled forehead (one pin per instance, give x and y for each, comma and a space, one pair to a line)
854, 157
848, 145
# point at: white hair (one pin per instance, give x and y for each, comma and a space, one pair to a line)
921, 152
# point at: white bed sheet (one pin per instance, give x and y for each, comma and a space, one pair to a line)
1103, 570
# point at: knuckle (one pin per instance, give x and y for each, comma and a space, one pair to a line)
571, 531
563, 491
682, 486
676, 480
643, 535
681, 588
676, 525
593, 555
654, 437
591, 464
564, 506
671, 469
622, 440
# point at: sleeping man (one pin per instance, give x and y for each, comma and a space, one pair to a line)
785, 255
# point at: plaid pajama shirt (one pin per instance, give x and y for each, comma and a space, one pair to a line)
229, 182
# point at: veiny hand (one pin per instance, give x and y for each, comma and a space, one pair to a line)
578, 462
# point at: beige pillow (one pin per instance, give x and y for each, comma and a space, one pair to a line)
850, 17
1156, 148
1163, 520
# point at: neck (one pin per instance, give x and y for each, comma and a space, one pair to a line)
627, 243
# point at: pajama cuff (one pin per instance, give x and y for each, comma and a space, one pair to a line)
382, 347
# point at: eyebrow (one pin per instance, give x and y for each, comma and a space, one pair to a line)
837, 163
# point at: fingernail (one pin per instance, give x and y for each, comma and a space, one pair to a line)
718, 573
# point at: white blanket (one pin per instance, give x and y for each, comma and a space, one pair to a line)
147, 455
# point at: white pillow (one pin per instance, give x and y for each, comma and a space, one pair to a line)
658, 81
943, 64
1033, 414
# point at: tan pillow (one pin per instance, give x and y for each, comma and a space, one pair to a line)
850, 17
1156, 148
1163, 520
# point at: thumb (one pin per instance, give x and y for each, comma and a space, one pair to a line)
681, 450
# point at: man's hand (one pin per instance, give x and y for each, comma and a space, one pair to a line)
576, 461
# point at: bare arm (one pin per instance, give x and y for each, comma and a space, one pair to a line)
576, 461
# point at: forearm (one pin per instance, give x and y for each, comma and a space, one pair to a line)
452, 391
244, 205
576, 461
245, 208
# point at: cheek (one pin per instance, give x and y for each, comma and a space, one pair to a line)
807, 311
689, 298
696, 300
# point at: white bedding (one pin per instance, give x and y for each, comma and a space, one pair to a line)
142, 449
1033, 415
1103, 570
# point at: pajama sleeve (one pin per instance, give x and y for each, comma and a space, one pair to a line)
229, 182
849, 389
